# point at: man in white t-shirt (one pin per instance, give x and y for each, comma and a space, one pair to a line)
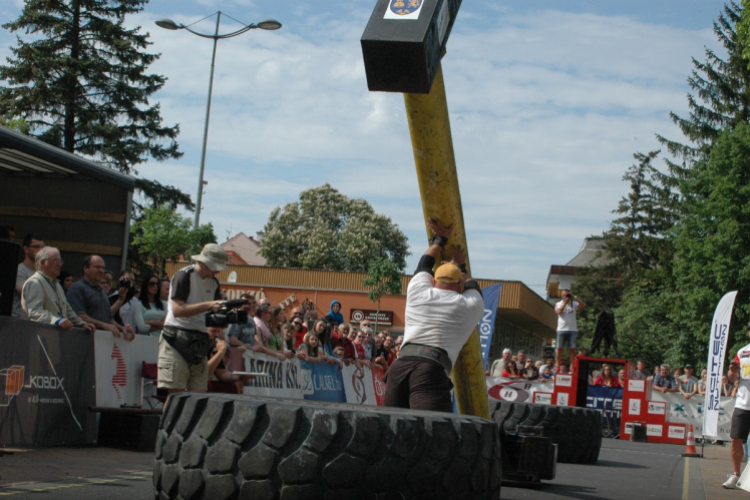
739, 370
184, 345
567, 326
441, 312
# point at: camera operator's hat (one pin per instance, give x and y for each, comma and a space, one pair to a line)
213, 256
448, 273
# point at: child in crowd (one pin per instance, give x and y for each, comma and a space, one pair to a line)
310, 350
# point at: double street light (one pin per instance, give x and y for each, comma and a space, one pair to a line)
268, 24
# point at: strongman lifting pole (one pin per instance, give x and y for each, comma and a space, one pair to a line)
402, 47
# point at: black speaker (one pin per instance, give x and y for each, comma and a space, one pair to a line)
9, 255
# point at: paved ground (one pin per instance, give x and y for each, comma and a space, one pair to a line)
625, 471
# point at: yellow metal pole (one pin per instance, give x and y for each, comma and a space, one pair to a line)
431, 140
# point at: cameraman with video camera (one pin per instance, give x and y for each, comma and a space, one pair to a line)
567, 326
185, 345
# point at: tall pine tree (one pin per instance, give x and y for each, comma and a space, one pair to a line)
81, 83
712, 241
637, 239
722, 88
636, 248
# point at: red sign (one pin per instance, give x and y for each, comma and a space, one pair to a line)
359, 315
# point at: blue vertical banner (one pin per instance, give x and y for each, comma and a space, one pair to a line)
487, 323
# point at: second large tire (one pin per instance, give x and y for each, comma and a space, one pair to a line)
577, 432
228, 446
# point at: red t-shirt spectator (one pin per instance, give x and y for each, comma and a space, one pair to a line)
338, 341
359, 351
613, 381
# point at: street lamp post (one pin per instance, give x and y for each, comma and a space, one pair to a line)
268, 24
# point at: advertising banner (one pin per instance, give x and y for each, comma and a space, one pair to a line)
46, 385
491, 296
118, 368
608, 400
717, 346
299, 379
518, 390
359, 386
324, 382
691, 411
284, 378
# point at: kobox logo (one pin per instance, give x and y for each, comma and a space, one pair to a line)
13, 382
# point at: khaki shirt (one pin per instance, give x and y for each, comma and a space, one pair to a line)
43, 300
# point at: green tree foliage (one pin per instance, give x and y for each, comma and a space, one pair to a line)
16, 124
327, 230
743, 31
637, 239
644, 327
671, 259
383, 278
712, 242
81, 82
636, 247
723, 95
161, 234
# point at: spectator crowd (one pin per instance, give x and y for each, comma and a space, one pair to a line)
126, 306
664, 379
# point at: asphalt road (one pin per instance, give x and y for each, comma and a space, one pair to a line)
625, 470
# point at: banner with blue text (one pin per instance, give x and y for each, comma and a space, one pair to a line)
487, 323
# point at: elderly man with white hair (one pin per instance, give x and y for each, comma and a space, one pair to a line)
43, 299
499, 364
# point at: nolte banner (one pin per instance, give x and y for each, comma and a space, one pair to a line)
491, 296
717, 346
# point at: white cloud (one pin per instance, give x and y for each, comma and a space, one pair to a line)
547, 108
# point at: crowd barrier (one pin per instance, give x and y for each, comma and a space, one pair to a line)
609, 401
49, 379
48, 383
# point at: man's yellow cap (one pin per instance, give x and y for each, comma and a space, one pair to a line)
448, 273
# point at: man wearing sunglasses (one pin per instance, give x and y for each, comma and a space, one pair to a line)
441, 312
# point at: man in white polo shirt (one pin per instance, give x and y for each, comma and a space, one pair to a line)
185, 345
441, 313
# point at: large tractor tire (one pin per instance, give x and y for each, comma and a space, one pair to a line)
577, 432
221, 446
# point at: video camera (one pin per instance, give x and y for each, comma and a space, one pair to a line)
228, 313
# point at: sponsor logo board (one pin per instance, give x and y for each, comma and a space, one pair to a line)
654, 430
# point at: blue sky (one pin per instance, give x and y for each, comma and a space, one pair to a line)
548, 102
